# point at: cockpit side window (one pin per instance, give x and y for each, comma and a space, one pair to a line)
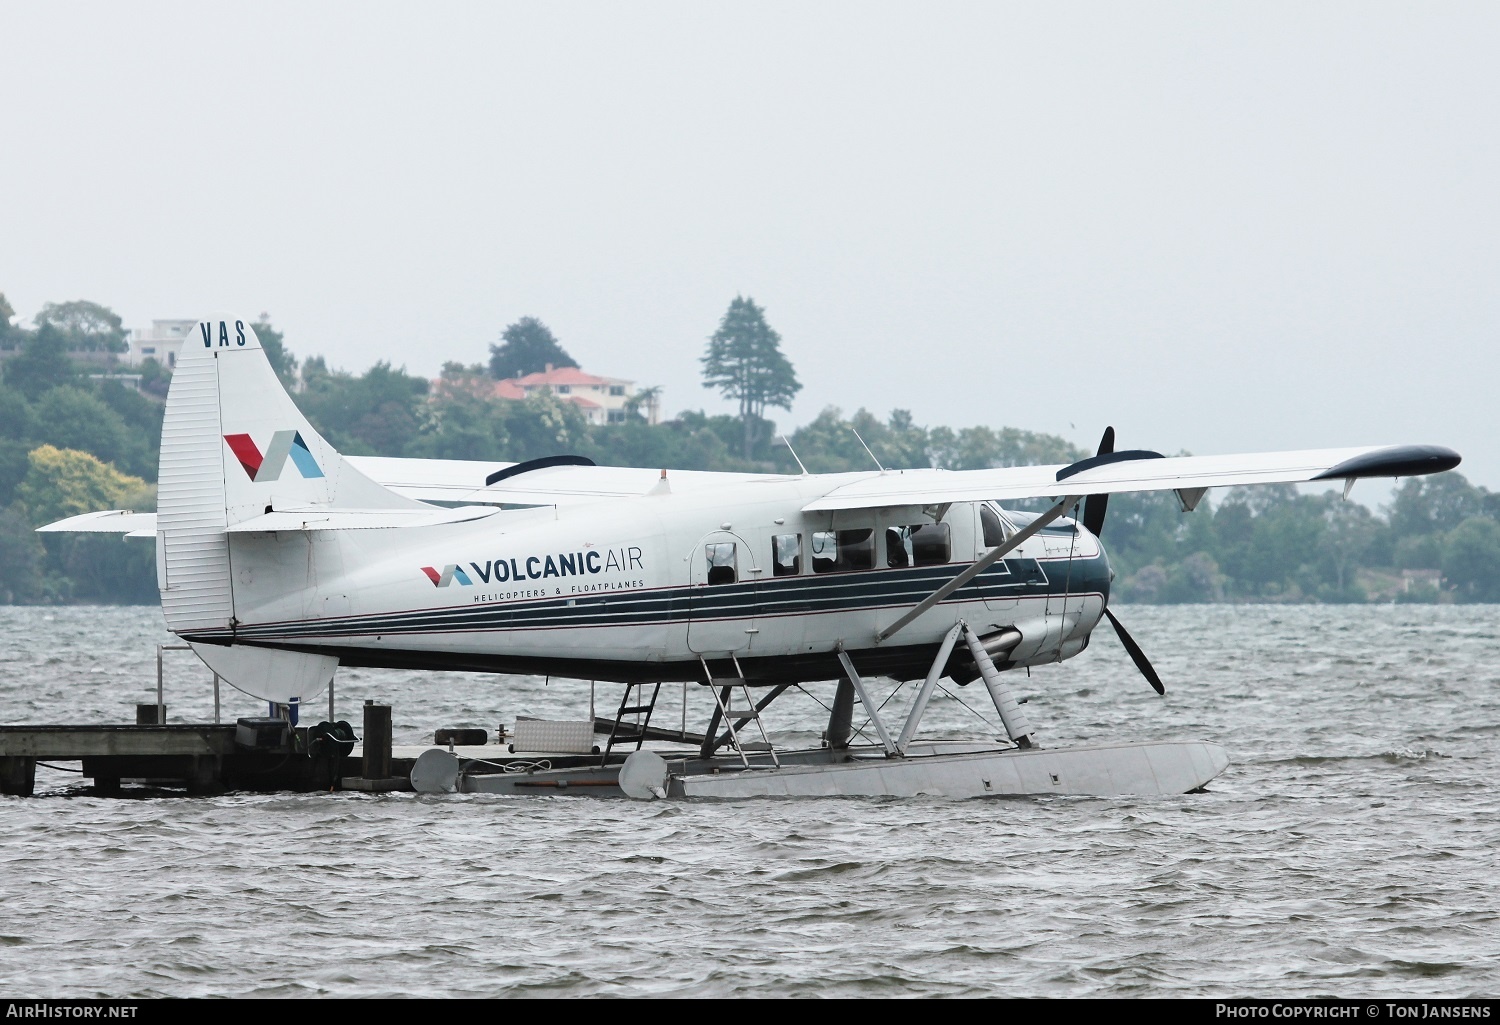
931, 544
994, 527
923, 544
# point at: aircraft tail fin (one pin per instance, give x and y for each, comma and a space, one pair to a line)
235, 446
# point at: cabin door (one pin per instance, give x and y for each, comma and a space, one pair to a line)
1001, 583
724, 602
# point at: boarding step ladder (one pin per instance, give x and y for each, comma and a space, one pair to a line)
737, 709
627, 709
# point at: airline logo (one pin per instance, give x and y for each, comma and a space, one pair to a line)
284, 445
540, 567
447, 576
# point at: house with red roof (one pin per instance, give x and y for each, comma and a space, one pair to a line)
602, 400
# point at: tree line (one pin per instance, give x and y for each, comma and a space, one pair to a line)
74, 440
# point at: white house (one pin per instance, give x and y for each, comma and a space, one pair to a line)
162, 342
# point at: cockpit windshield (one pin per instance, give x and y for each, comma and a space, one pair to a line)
1064, 525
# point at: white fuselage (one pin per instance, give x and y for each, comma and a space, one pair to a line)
646, 588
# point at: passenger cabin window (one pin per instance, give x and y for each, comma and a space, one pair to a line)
721, 562
994, 527
839, 551
786, 555
825, 551
898, 547
924, 544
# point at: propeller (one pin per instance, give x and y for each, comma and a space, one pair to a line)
1094, 507
1137, 655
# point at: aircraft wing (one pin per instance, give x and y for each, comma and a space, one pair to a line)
1134, 471
460, 480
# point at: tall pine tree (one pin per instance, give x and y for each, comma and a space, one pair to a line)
744, 361
526, 347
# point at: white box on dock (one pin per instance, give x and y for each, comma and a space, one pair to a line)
554, 736
261, 733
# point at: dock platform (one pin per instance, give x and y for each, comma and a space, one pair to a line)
255, 755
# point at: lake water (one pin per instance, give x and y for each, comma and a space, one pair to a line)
1350, 850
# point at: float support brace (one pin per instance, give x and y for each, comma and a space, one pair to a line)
919, 707
864, 697
1017, 726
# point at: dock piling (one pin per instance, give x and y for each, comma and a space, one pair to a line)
377, 741
17, 776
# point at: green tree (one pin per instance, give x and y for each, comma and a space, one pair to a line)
15, 415
41, 364
980, 448
282, 360
378, 413
827, 444
14, 465
86, 326
543, 425
1429, 505
79, 420
1351, 531
744, 361
7, 329
156, 379
642, 405
1471, 559
462, 420
21, 555
526, 347
64, 482
1151, 528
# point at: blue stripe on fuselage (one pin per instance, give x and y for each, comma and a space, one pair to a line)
803, 594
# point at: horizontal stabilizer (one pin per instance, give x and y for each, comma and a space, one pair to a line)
113, 521
322, 518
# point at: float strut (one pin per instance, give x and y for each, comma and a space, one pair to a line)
1017, 726
841, 716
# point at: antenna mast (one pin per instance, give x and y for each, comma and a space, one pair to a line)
793, 451
867, 449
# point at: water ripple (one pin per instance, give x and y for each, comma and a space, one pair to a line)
1349, 848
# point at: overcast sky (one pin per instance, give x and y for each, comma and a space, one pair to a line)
1220, 227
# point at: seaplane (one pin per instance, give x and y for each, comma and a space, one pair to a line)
279, 560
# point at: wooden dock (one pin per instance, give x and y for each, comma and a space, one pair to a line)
251, 754
257, 755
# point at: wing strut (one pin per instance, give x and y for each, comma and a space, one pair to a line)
994, 556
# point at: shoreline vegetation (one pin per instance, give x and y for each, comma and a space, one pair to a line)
74, 438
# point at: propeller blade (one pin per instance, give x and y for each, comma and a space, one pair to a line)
1095, 505
1141, 661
